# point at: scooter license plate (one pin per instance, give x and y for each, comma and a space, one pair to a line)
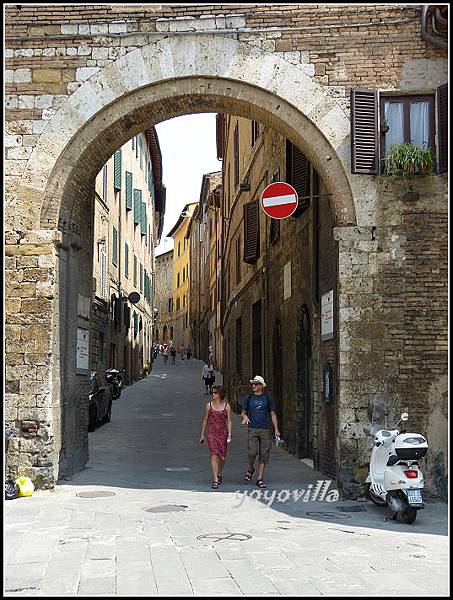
414, 497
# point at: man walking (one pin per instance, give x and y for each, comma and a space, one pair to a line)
257, 407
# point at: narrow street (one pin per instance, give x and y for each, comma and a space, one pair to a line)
198, 541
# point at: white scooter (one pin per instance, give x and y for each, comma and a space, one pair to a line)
395, 479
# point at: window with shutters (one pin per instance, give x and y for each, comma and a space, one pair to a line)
236, 155
135, 324
136, 146
137, 206
117, 170
251, 232
274, 231
128, 177
238, 259
115, 246
141, 153
298, 175
178, 304
135, 271
177, 280
406, 120
403, 119
126, 260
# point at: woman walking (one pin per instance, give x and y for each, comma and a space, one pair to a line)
217, 416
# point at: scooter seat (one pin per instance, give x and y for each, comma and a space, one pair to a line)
393, 460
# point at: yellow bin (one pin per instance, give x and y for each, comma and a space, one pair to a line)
26, 487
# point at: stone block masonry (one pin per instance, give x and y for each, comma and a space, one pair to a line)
69, 69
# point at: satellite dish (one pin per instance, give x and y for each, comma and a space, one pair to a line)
134, 297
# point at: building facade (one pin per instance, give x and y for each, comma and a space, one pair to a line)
181, 275
164, 329
126, 231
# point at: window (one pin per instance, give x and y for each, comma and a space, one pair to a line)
114, 246
179, 248
251, 232
177, 280
170, 304
407, 120
103, 271
178, 304
401, 119
236, 155
255, 132
137, 206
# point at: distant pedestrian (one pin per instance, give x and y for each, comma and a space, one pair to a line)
217, 417
173, 355
189, 351
182, 349
207, 374
257, 407
165, 353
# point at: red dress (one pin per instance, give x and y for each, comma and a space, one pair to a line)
217, 431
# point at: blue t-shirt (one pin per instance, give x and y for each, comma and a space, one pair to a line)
258, 408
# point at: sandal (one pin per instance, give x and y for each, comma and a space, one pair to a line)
219, 478
248, 475
215, 485
260, 483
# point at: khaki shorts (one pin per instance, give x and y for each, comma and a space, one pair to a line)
259, 441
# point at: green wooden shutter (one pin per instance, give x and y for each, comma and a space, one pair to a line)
137, 206
142, 216
117, 170
126, 260
128, 190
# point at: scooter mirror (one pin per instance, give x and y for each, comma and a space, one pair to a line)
404, 417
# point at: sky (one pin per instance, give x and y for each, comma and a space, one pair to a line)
188, 146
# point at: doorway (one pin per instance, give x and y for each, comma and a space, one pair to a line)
304, 410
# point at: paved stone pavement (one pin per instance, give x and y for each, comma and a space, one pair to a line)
202, 541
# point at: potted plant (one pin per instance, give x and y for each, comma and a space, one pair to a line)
404, 162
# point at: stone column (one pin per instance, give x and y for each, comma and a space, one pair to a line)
30, 334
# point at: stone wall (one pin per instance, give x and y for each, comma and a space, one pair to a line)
83, 79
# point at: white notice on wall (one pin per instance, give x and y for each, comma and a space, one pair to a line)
327, 316
83, 348
287, 281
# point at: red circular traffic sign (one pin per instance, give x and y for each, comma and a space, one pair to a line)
279, 200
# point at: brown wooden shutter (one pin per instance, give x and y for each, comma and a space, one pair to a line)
364, 132
442, 128
251, 232
301, 180
274, 232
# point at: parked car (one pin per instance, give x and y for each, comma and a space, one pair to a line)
100, 401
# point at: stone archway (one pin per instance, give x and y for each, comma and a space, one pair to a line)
172, 77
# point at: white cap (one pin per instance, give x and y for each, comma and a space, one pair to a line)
258, 379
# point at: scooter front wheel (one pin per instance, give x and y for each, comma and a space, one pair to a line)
375, 499
409, 515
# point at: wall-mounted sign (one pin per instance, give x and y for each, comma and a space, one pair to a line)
83, 349
327, 316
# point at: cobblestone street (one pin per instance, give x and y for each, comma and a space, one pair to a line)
198, 541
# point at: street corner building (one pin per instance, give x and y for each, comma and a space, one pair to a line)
342, 306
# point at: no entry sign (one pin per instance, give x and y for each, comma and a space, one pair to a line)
279, 200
